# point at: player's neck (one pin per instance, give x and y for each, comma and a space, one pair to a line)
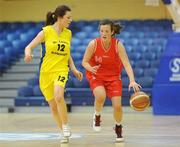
106, 43
58, 27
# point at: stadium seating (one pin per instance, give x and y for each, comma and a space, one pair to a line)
144, 41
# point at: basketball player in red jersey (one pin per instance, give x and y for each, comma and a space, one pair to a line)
104, 59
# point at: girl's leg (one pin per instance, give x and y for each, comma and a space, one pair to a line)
57, 117
100, 96
62, 109
116, 102
55, 113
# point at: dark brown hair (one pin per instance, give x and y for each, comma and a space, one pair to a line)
60, 11
116, 28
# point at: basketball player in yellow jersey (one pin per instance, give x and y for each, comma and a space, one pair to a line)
55, 39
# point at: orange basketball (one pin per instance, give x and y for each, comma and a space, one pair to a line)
139, 101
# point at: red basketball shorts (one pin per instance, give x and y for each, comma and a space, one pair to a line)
113, 88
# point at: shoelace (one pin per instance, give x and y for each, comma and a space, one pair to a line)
66, 129
97, 120
118, 130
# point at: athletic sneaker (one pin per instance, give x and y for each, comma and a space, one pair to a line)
66, 131
118, 131
64, 139
96, 123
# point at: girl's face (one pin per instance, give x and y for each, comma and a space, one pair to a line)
66, 19
105, 32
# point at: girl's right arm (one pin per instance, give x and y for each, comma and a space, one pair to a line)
87, 56
37, 40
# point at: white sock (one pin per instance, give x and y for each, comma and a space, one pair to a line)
118, 124
97, 113
65, 125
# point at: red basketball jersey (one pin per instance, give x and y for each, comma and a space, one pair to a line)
108, 59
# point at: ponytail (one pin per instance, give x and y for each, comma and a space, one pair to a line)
117, 28
50, 18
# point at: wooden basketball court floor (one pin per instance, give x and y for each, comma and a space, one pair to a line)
140, 129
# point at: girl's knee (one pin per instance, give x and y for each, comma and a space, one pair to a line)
53, 107
117, 107
58, 98
100, 99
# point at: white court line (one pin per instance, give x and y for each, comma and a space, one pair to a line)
33, 136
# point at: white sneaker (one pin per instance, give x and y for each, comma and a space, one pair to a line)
64, 139
118, 131
96, 123
66, 131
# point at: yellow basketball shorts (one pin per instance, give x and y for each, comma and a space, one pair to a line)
47, 81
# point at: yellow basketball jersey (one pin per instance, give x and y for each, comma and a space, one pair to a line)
55, 50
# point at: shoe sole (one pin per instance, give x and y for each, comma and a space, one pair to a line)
65, 141
96, 129
119, 140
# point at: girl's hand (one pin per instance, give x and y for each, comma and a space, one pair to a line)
136, 87
28, 57
78, 74
94, 69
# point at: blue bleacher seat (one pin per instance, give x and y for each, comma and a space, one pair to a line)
151, 35
146, 41
145, 82
150, 72
160, 41
83, 84
69, 83
94, 35
134, 56
149, 56
5, 43
142, 63
155, 64
25, 91
139, 35
132, 62
85, 42
37, 91
155, 48
4, 62
123, 73
88, 29
33, 81
81, 49
11, 53
124, 35
129, 48
138, 72
78, 64
125, 82
81, 35
132, 41
140, 48
75, 42
77, 56
13, 36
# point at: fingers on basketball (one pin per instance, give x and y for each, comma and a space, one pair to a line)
139, 101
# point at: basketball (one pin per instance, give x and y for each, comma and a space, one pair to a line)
139, 101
